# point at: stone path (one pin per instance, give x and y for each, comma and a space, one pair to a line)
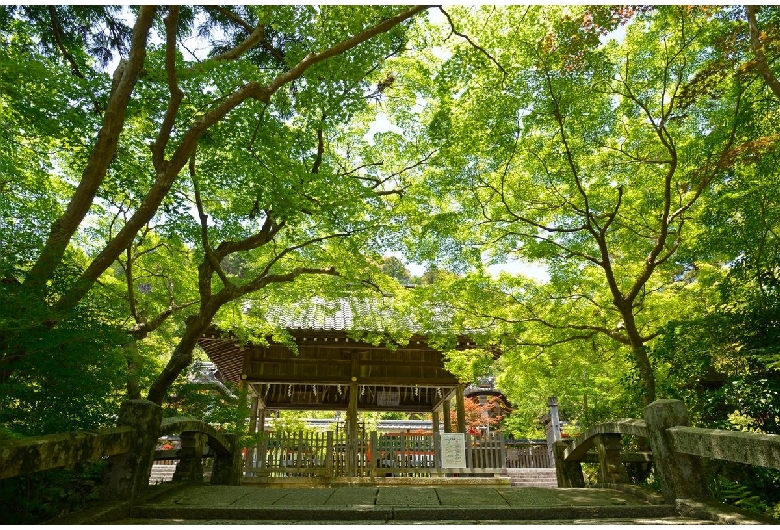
400, 505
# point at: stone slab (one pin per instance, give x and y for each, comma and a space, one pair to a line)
259, 497
407, 496
568, 497
206, 496
305, 497
360, 496
471, 497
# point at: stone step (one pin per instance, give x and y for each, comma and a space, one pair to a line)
676, 521
530, 470
532, 477
161, 473
401, 514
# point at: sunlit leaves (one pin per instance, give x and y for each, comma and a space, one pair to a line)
593, 157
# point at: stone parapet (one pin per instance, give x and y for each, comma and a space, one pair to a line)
39, 453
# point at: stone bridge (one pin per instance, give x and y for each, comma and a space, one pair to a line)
129, 448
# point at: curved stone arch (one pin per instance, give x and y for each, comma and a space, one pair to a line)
582, 444
216, 440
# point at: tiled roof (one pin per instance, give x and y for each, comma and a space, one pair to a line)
339, 315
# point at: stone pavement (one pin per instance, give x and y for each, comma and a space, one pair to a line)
400, 505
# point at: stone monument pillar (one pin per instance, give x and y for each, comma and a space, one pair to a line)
552, 427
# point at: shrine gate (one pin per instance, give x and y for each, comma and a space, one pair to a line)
335, 372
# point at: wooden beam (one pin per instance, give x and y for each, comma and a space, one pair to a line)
253, 415
446, 395
430, 382
421, 409
300, 361
445, 405
403, 362
461, 411
421, 381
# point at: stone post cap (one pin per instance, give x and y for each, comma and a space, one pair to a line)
667, 412
664, 403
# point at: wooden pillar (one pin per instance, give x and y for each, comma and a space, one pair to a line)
436, 440
352, 443
262, 443
251, 453
253, 414
445, 410
373, 454
461, 411
329, 455
352, 429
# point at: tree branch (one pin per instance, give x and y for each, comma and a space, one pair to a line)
204, 228
142, 329
264, 236
474, 44
100, 158
57, 32
176, 94
758, 50
320, 151
187, 146
257, 35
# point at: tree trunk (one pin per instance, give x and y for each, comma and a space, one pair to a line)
639, 352
180, 358
646, 376
133, 371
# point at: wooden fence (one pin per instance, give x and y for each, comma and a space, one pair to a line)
527, 454
402, 453
331, 454
308, 454
486, 453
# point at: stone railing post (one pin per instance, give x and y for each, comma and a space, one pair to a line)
611, 469
681, 475
190, 466
569, 474
127, 475
228, 467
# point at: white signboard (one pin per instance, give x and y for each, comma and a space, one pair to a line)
388, 399
453, 450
